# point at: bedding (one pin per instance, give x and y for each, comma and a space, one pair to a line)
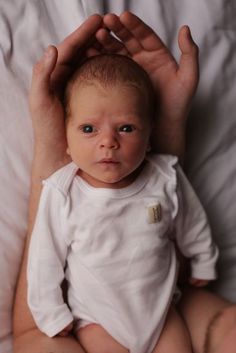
27, 27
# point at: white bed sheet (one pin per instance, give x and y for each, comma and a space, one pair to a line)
27, 27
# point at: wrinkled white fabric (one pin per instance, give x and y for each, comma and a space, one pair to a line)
120, 262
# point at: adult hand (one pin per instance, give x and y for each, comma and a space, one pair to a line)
49, 75
174, 83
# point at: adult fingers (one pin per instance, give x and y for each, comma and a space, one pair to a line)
188, 65
109, 43
78, 39
141, 32
91, 51
113, 23
73, 49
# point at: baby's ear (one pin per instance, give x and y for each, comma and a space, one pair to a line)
68, 151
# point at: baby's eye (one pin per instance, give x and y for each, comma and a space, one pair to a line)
126, 128
87, 129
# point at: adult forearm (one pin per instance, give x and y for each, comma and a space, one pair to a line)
34, 341
170, 137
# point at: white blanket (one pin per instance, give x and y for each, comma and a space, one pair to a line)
27, 27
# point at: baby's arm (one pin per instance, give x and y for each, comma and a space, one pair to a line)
193, 234
45, 272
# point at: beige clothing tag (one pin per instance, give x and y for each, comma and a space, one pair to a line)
154, 213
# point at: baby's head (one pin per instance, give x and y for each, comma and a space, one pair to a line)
109, 105
109, 71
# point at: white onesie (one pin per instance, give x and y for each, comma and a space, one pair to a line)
115, 247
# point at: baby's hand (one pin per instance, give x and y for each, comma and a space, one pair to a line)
198, 282
65, 332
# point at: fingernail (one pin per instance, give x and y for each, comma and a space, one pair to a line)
188, 32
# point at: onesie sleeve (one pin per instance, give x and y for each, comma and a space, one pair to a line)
193, 233
46, 263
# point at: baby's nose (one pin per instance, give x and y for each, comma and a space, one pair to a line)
109, 140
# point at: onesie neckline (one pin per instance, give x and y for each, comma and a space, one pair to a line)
129, 190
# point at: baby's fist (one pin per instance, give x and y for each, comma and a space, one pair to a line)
65, 332
198, 282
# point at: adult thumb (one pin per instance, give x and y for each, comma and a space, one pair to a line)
40, 89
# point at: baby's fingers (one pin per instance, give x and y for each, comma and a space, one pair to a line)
198, 282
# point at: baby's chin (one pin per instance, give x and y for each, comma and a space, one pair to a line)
111, 177
110, 182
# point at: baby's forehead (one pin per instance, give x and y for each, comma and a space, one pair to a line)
109, 73
112, 90
116, 100
106, 87
97, 87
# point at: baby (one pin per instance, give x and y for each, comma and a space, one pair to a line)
108, 222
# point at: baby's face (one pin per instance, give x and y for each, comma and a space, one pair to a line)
108, 134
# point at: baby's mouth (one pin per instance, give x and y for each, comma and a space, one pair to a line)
108, 161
